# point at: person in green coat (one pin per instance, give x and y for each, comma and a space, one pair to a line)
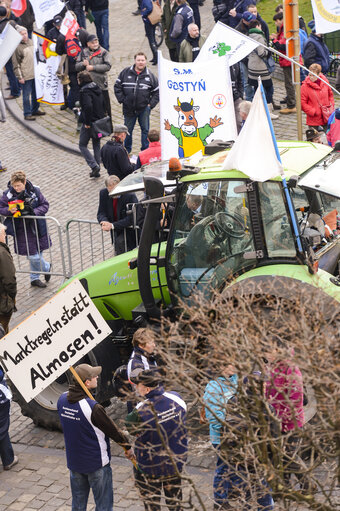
191, 45
169, 11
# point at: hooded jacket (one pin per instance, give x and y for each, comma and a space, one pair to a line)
164, 411
92, 103
256, 65
87, 429
135, 91
313, 95
100, 60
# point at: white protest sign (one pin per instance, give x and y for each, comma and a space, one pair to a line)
224, 41
69, 25
45, 10
326, 15
48, 87
51, 340
9, 40
196, 105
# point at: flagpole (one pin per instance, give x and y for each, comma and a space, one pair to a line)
284, 182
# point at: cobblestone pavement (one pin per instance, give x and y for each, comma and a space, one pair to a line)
40, 480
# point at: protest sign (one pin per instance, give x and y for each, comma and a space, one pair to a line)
51, 340
326, 15
69, 25
224, 41
196, 105
9, 40
48, 86
44, 10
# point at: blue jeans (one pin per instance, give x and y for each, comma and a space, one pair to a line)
29, 98
13, 81
226, 479
101, 20
100, 482
144, 123
37, 264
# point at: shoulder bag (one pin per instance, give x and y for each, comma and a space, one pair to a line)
326, 110
155, 15
101, 128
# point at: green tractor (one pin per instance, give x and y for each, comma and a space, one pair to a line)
224, 230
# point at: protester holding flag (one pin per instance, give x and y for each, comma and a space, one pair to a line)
257, 65
23, 62
317, 99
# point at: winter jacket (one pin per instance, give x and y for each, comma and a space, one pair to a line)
27, 18
312, 95
8, 281
280, 44
92, 103
116, 159
284, 391
145, 9
34, 228
216, 395
87, 430
236, 81
233, 21
256, 65
140, 359
96, 5
152, 153
185, 51
179, 28
337, 82
167, 17
333, 134
136, 91
315, 51
100, 60
23, 61
5, 402
164, 411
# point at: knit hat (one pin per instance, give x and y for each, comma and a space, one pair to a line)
311, 133
87, 372
91, 37
248, 16
311, 25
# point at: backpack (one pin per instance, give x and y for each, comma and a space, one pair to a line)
72, 47
303, 39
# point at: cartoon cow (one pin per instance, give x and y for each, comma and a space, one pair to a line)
190, 138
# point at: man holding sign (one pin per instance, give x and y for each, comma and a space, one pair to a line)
87, 430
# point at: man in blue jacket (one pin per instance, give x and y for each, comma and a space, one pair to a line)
184, 16
161, 441
87, 432
315, 50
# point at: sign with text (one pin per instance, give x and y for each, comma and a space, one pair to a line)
51, 340
48, 86
9, 41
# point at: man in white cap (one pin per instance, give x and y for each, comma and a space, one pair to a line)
87, 430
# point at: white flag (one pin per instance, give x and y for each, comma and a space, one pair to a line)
254, 152
46, 61
9, 40
44, 10
69, 25
196, 106
326, 15
225, 41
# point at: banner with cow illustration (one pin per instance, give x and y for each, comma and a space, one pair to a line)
48, 86
196, 106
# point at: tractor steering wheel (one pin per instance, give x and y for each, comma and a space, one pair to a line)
225, 226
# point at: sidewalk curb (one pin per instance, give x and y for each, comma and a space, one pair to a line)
38, 130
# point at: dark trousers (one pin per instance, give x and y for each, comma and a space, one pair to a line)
4, 320
29, 98
173, 54
74, 88
107, 102
197, 16
268, 88
150, 34
143, 118
287, 74
13, 81
151, 489
6, 449
93, 161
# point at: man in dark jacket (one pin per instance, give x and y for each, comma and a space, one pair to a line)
158, 420
182, 19
6, 450
54, 32
136, 88
264, 27
87, 430
169, 11
92, 109
114, 155
315, 50
237, 87
114, 217
100, 11
8, 282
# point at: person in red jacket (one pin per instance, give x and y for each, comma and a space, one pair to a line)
153, 152
279, 43
316, 94
333, 134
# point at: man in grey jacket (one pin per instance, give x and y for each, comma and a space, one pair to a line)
96, 60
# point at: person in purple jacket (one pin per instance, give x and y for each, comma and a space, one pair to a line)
31, 238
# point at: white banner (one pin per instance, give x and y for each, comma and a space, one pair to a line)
224, 41
52, 340
9, 40
45, 10
196, 106
254, 152
326, 15
69, 25
48, 87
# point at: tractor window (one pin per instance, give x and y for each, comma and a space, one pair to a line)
211, 233
277, 229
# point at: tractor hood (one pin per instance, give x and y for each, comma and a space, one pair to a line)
324, 177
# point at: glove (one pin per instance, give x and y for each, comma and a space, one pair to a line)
28, 210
